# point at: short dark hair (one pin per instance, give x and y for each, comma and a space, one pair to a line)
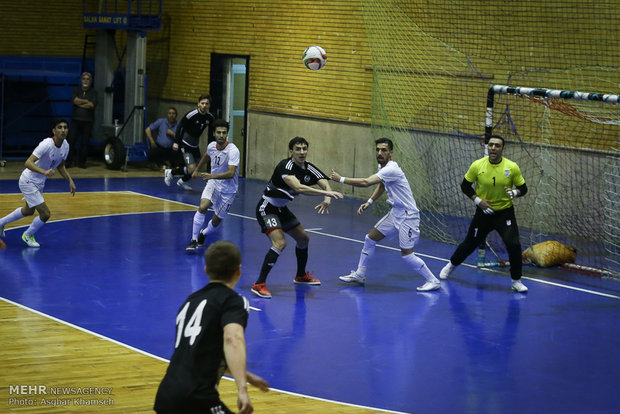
174, 109
387, 141
222, 259
57, 121
220, 123
297, 140
498, 137
205, 96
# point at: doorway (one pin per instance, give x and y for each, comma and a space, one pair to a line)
228, 89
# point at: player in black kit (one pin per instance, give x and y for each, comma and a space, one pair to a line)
210, 342
291, 176
187, 139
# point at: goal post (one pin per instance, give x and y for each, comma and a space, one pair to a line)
434, 64
570, 157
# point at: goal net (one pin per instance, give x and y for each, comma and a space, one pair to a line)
434, 66
570, 154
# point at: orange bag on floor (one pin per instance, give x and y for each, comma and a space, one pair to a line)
550, 253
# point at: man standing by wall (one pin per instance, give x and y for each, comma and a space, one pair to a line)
84, 99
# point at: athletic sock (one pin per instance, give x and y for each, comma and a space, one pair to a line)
302, 259
199, 220
209, 229
367, 252
36, 224
270, 260
11, 217
420, 267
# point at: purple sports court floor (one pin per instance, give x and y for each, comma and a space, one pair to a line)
472, 347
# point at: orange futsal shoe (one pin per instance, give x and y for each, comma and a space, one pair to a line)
307, 279
259, 289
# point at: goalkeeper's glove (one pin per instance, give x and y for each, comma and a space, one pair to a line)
512, 193
487, 210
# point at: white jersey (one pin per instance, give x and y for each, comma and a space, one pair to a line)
220, 160
399, 193
49, 158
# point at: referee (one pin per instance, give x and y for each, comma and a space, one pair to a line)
495, 177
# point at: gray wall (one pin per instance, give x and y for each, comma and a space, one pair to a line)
346, 147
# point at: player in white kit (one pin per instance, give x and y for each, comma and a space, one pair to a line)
402, 220
222, 183
47, 158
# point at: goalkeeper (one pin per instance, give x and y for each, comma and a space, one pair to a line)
495, 177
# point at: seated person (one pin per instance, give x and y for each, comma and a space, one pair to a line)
161, 152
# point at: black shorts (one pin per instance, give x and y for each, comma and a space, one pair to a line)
271, 217
191, 155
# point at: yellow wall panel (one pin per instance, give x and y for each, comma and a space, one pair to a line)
500, 38
36, 28
274, 36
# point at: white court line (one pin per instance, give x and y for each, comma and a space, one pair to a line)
335, 236
309, 230
114, 341
114, 214
19, 305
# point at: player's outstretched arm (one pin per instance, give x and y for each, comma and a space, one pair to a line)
355, 182
300, 188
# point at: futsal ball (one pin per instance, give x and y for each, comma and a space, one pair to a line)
314, 57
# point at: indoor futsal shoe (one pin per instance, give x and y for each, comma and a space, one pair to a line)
201, 238
193, 245
30, 241
184, 185
445, 272
307, 279
518, 286
260, 290
168, 177
353, 277
429, 286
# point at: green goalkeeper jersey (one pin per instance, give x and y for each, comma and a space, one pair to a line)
491, 179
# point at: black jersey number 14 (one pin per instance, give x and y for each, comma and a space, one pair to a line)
192, 329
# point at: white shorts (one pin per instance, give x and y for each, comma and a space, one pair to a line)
221, 201
32, 194
406, 225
